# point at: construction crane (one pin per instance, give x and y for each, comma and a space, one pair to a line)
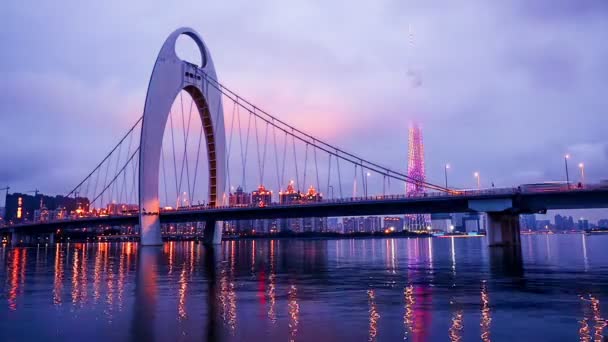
34, 191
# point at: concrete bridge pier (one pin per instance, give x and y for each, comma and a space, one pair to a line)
212, 235
150, 230
503, 229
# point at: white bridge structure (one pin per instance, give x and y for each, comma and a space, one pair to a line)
170, 76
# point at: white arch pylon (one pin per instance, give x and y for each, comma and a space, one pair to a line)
170, 76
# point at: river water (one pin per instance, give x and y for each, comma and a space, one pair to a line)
440, 289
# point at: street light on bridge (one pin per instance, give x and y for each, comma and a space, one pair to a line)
566, 157
476, 174
581, 166
445, 169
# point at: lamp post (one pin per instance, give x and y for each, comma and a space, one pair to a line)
445, 169
566, 157
367, 180
581, 166
476, 174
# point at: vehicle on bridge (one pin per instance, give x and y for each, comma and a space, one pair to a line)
546, 187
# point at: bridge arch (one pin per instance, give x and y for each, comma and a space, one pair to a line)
170, 76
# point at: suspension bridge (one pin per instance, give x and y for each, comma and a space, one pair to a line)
197, 140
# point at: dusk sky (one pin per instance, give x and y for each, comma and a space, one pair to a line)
506, 88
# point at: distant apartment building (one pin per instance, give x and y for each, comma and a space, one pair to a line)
22, 207
332, 224
441, 222
527, 221
236, 199
469, 222
239, 197
395, 222
543, 225
261, 197
564, 222
372, 224
583, 224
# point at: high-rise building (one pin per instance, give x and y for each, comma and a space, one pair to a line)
416, 173
394, 222
583, 224
603, 223
349, 224
372, 224
22, 207
290, 196
472, 222
332, 224
261, 197
313, 224
564, 222
543, 225
528, 221
442, 222
239, 197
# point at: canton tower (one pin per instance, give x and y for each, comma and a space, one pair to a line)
415, 161
415, 171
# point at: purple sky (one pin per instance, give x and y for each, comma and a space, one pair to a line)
506, 87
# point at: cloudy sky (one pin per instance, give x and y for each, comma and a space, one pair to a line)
505, 88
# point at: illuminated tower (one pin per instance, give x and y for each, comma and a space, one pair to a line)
415, 170
415, 161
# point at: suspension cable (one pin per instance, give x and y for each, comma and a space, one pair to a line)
177, 190
107, 156
316, 168
116, 176
325, 146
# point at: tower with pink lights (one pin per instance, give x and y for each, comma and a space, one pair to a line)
415, 171
415, 161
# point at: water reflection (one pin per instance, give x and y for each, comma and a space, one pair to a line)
294, 312
373, 315
506, 262
58, 281
455, 331
486, 316
212, 257
227, 296
16, 279
272, 315
146, 294
413, 289
592, 325
408, 316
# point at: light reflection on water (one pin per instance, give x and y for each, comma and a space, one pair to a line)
308, 290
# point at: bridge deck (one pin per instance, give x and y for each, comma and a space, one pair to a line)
379, 205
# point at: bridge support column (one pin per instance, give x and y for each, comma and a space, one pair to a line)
213, 232
51, 238
503, 229
149, 226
